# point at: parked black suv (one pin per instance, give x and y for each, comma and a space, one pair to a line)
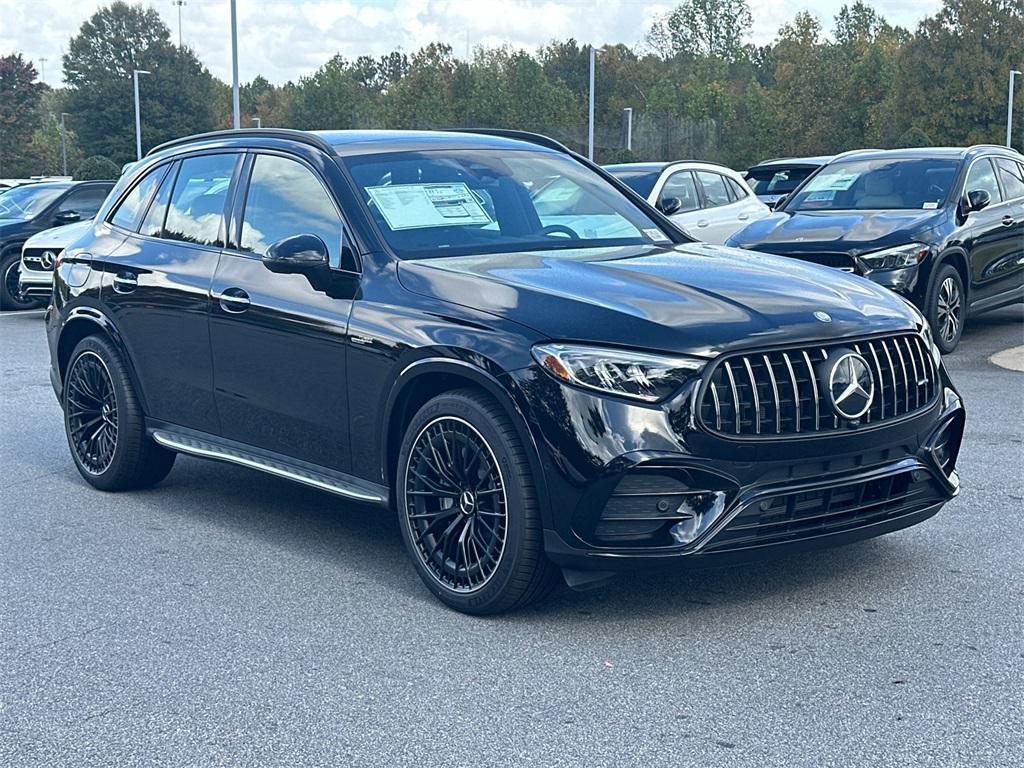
32, 208
943, 227
387, 316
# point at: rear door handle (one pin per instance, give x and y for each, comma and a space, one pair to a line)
125, 282
703, 223
234, 300
743, 216
1008, 221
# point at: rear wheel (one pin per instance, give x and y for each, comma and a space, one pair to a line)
468, 507
104, 423
947, 308
11, 296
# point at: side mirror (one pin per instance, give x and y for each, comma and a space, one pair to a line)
298, 254
976, 200
66, 217
670, 205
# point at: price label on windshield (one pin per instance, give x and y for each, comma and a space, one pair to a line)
415, 206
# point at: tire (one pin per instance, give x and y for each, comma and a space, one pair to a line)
466, 496
946, 308
104, 423
10, 294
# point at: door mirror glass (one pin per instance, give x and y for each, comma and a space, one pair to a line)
976, 200
670, 205
66, 217
298, 254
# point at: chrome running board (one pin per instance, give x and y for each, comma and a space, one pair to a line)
323, 479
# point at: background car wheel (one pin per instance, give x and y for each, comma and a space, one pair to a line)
947, 308
10, 292
468, 507
104, 423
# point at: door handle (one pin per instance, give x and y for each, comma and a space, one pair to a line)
743, 216
703, 223
125, 282
234, 300
1008, 221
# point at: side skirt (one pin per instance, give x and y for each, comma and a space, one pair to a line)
209, 446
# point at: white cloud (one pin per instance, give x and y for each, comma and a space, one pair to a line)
285, 40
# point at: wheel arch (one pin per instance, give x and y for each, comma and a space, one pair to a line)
957, 258
427, 378
84, 321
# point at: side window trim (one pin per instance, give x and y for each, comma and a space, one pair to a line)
992, 169
144, 208
242, 195
239, 155
171, 169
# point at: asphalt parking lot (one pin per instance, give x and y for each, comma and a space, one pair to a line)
229, 618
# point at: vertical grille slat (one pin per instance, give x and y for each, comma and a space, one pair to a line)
782, 387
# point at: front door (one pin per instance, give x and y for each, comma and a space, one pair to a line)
997, 249
279, 340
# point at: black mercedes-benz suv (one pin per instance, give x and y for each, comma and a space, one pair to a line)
942, 226
392, 317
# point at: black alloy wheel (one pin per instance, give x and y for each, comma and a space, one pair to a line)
468, 506
456, 504
11, 295
91, 409
947, 308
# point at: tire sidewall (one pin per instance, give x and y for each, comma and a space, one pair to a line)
7, 301
518, 496
945, 271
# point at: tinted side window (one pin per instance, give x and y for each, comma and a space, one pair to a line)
284, 199
196, 210
715, 191
680, 185
153, 224
127, 213
1012, 176
982, 176
85, 201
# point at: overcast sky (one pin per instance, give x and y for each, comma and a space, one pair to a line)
285, 40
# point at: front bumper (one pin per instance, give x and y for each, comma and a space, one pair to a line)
609, 466
35, 283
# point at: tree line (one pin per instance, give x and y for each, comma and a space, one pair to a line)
694, 86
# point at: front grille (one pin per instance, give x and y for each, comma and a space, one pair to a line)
805, 514
32, 258
780, 392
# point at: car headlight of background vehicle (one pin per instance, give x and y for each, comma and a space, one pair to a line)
902, 256
635, 375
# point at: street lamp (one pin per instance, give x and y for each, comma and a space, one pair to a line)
590, 107
1009, 107
628, 113
63, 145
235, 123
179, 3
258, 121
138, 120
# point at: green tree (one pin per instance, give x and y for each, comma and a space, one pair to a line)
97, 167
702, 28
332, 97
20, 95
179, 97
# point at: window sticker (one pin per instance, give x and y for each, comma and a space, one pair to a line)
416, 206
821, 196
839, 181
930, 206
657, 235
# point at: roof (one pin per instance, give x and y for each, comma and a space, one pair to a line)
788, 161
934, 153
637, 167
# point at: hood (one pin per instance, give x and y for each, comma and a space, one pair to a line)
59, 237
693, 298
852, 232
10, 226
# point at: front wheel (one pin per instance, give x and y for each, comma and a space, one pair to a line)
946, 308
468, 507
11, 295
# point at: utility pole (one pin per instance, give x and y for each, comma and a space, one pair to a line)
590, 108
138, 119
1009, 108
63, 146
179, 3
236, 120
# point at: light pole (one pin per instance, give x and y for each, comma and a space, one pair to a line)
258, 121
628, 112
138, 119
1009, 107
234, 68
63, 146
179, 3
590, 108
42, 68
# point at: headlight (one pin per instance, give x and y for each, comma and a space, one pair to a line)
619, 372
896, 258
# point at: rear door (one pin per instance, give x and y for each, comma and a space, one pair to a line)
721, 213
279, 340
157, 283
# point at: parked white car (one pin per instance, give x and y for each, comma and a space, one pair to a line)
709, 201
39, 254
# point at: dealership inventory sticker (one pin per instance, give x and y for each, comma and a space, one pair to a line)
414, 206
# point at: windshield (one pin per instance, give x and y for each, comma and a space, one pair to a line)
880, 184
466, 202
776, 180
26, 202
641, 182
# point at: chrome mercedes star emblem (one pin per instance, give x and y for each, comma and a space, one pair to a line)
47, 259
851, 386
825, 317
